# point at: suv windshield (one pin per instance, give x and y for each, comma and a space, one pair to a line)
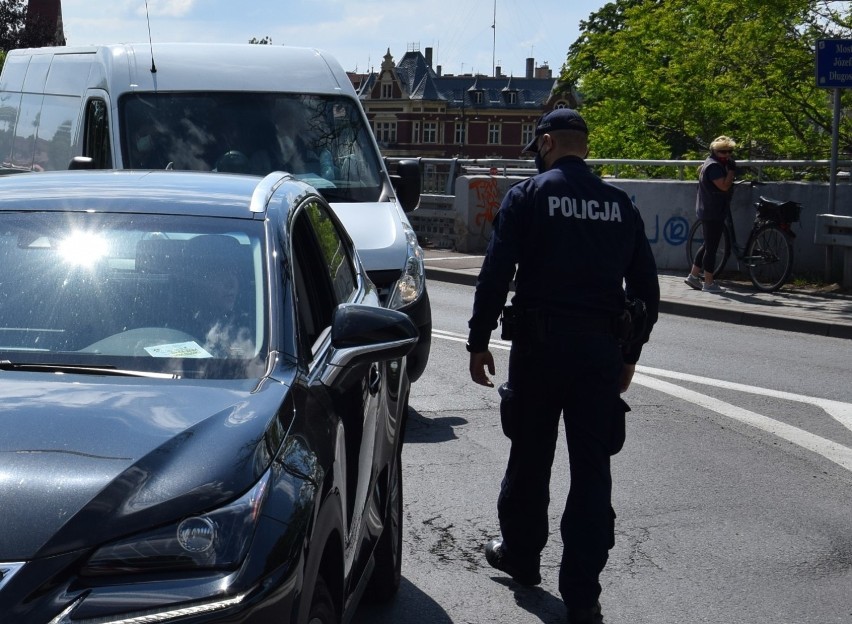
163, 294
321, 140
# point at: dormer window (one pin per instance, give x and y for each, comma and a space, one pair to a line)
477, 94
387, 91
510, 93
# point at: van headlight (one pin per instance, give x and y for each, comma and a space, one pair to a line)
412, 281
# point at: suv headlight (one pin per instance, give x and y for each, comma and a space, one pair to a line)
412, 281
216, 539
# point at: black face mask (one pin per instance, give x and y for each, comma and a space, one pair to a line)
539, 162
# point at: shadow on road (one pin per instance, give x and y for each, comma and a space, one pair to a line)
538, 602
426, 430
410, 606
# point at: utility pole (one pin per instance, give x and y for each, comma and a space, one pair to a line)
494, 38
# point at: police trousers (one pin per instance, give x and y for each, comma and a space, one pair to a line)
575, 375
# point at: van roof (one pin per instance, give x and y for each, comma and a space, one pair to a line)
212, 67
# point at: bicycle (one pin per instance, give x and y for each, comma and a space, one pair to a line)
768, 252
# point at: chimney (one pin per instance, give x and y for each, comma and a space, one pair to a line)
543, 72
429, 57
439, 70
498, 72
530, 67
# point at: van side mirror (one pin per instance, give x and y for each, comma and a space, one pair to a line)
81, 162
406, 183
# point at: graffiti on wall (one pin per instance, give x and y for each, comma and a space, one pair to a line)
674, 231
487, 197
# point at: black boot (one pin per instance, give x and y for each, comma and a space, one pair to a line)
498, 557
589, 615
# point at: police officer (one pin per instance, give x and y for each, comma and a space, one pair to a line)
576, 247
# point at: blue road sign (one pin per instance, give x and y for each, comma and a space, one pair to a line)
834, 63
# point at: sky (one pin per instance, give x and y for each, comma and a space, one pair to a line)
357, 32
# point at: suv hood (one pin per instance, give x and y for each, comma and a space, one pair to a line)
85, 458
376, 230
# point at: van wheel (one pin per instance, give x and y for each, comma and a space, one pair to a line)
384, 583
322, 605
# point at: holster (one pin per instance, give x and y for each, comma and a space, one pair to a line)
509, 322
630, 324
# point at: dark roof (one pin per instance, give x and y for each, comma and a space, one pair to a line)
420, 82
412, 70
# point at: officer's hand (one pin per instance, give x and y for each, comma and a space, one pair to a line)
626, 377
478, 363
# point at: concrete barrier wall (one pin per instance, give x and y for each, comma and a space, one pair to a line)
667, 207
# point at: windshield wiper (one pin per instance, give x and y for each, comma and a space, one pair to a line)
77, 369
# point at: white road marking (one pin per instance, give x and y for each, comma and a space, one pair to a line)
838, 410
833, 451
454, 337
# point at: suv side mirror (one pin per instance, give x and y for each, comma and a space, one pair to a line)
361, 334
406, 183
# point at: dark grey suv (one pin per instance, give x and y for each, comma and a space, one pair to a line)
202, 403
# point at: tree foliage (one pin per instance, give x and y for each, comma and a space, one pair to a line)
662, 78
17, 32
13, 15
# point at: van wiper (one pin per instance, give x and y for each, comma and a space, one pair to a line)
77, 369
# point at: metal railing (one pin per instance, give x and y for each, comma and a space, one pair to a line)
439, 175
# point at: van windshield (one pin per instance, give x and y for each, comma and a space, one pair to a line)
321, 140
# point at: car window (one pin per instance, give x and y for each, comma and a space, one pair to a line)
168, 294
324, 270
96, 140
336, 255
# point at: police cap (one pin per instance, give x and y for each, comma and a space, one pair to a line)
558, 119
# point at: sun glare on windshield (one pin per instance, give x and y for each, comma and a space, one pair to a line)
83, 249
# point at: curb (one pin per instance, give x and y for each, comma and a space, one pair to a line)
709, 313
756, 319
453, 277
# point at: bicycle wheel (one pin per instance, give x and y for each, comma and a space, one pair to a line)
769, 258
696, 239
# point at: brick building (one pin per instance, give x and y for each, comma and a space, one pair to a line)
416, 110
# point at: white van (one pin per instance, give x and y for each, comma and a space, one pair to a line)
222, 107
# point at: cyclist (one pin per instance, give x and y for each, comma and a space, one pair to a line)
715, 188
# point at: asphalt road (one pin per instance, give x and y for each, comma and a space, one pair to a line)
733, 489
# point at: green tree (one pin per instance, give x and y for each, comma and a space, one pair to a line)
18, 32
662, 78
13, 15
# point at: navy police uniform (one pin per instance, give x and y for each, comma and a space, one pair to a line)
574, 245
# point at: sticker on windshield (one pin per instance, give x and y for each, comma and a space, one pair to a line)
314, 180
178, 350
